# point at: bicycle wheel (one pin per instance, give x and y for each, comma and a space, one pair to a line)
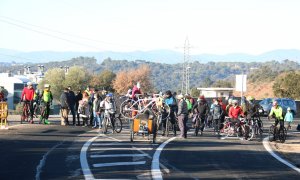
197, 127
253, 131
260, 133
131, 131
117, 125
282, 135
271, 133
126, 108
154, 131
167, 126
105, 125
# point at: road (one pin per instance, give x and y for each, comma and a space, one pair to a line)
58, 152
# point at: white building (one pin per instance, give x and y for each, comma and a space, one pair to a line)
14, 84
216, 92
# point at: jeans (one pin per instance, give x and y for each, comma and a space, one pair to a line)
97, 119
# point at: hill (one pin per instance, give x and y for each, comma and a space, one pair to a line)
159, 56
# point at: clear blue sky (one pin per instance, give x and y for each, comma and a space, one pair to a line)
212, 26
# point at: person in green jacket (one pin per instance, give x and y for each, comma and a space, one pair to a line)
276, 111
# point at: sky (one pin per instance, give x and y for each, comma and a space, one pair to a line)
211, 26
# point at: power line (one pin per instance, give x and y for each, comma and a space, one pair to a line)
63, 33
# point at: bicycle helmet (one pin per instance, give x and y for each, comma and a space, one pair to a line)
234, 101
29, 83
250, 98
275, 103
109, 95
46, 85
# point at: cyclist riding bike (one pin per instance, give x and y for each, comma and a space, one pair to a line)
46, 100
253, 108
276, 111
27, 98
235, 112
202, 110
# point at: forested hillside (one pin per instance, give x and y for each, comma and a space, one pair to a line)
167, 76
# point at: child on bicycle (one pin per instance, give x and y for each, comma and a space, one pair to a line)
46, 100
289, 117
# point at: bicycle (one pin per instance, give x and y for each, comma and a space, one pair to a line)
197, 125
130, 108
110, 120
255, 128
279, 134
25, 112
230, 128
44, 114
171, 127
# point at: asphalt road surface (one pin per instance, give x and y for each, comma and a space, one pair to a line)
58, 152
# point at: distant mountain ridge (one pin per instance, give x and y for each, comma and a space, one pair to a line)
160, 56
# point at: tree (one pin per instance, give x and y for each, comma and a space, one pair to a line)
103, 80
78, 78
127, 79
195, 92
56, 78
222, 83
287, 85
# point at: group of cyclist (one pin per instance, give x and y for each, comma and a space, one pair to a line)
94, 105
34, 99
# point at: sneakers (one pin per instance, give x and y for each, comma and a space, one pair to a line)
46, 122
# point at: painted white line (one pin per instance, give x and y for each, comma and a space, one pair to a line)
120, 144
83, 159
119, 164
155, 170
118, 155
113, 149
269, 149
43, 161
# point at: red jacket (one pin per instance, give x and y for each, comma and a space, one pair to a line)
135, 90
27, 94
234, 112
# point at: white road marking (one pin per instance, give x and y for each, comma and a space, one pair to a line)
119, 164
113, 149
119, 144
155, 170
43, 161
269, 149
118, 155
83, 159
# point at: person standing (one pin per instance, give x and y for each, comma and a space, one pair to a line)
72, 102
84, 109
78, 97
170, 100
97, 111
27, 97
202, 110
182, 115
64, 104
289, 118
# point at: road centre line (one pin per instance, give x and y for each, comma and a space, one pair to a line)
269, 149
118, 155
119, 164
112, 149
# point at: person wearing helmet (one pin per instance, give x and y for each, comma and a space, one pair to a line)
201, 109
36, 101
109, 107
229, 105
27, 98
235, 111
277, 113
289, 118
46, 100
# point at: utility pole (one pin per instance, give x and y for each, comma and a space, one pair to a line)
186, 68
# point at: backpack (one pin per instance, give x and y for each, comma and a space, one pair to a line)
217, 112
189, 104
